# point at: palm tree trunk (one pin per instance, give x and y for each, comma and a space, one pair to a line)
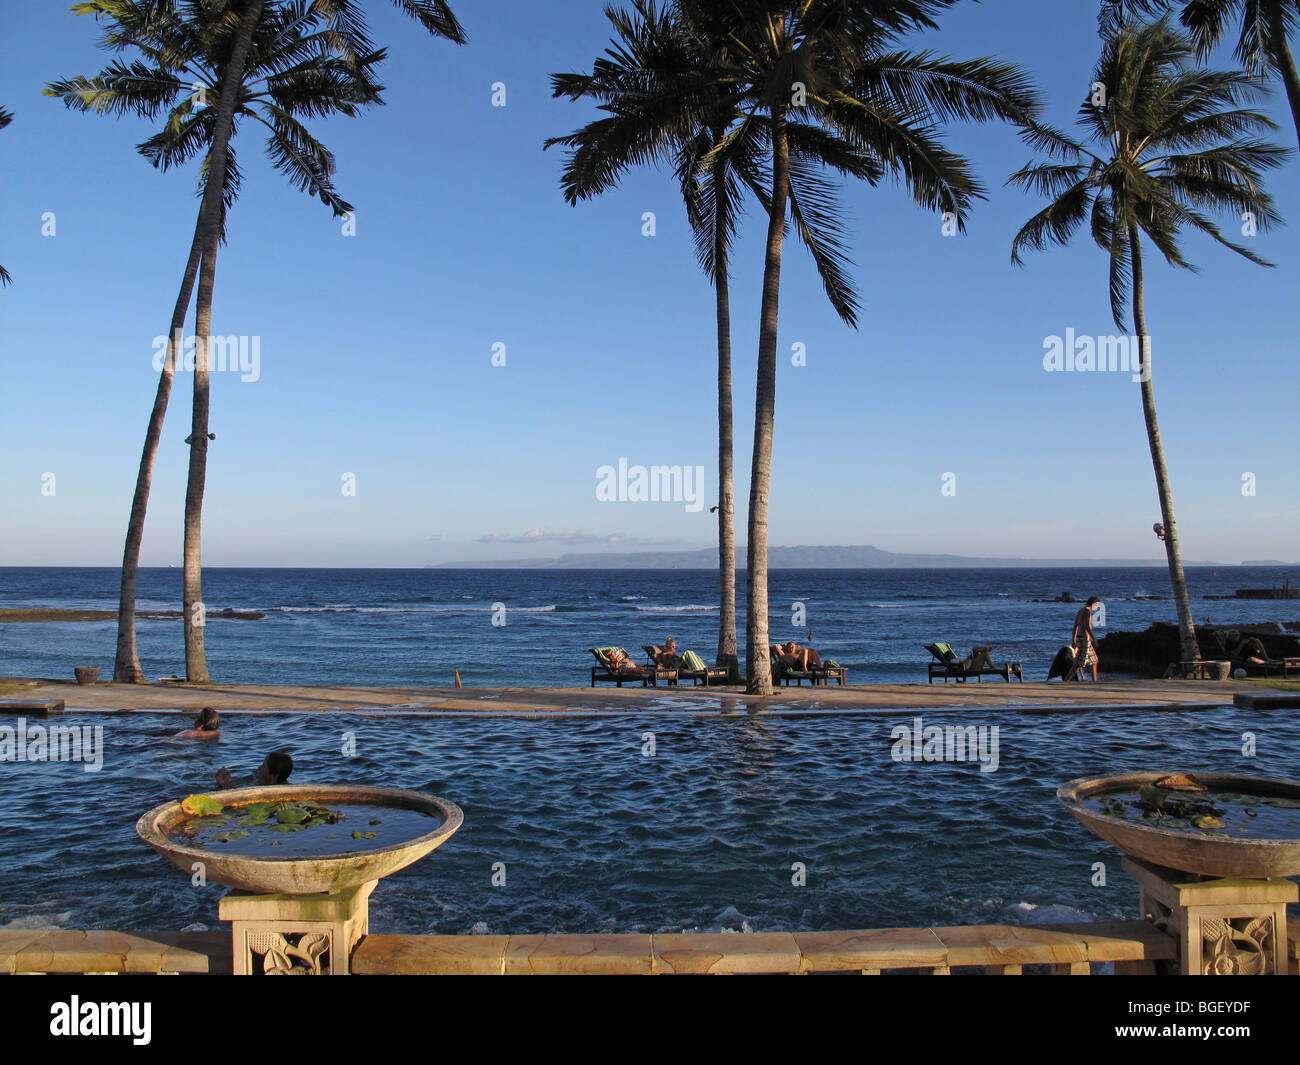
1186, 630
196, 666
126, 666
759, 673
1285, 60
196, 662
726, 493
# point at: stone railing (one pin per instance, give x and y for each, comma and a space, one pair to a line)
1130, 946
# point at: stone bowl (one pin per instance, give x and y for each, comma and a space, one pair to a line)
86, 674
1187, 851
263, 875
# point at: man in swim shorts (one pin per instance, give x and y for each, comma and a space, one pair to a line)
1085, 654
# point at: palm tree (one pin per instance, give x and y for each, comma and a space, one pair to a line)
646, 74
1173, 141
310, 59
817, 74
5, 118
1263, 28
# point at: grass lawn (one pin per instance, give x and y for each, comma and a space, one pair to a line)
1280, 685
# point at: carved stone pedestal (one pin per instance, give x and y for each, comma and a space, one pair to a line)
296, 934
1223, 927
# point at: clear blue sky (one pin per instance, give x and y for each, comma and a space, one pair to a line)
376, 349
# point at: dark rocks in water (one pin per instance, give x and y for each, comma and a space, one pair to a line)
1151, 652
1064, 597
1061, 663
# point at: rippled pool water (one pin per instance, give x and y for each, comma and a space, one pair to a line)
592, 832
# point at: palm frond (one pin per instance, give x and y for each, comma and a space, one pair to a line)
121, 89
933, 89
1055, 223
818, 220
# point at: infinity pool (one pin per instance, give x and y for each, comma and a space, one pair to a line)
624, 823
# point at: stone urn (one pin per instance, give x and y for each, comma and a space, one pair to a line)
1221, 898
86, 674
300, 914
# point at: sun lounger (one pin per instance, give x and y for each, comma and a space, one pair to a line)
689, 666
829, 670
1282, 667
628, 671
946, 664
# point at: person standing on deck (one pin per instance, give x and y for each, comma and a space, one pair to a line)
1085, 654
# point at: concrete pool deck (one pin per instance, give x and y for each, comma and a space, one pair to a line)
873, 698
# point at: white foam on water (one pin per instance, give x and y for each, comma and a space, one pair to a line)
450, 609
39, 922
1051, 913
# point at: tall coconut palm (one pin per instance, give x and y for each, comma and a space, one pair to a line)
660, 109
1263, 28
820, 73
5, 118
145, 88
315, 59
1172, 141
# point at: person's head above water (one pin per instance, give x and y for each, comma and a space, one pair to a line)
275, 769
207, 720
1092, 601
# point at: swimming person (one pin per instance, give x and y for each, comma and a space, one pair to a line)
207, 725
1084, 641
275, 769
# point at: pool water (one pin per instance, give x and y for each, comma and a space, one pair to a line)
349, 827
639, 821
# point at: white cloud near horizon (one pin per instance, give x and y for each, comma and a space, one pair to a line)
568, 536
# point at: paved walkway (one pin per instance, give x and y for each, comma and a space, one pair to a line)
873, 698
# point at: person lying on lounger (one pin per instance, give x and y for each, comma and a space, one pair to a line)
621, 664
667, 658
800, 659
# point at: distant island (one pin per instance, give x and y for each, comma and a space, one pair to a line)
811, 558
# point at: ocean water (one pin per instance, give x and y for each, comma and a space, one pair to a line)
595, 834
389, 626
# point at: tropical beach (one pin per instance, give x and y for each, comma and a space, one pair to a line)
670, 488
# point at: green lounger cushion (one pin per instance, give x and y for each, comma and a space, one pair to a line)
691, 662
943, 652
